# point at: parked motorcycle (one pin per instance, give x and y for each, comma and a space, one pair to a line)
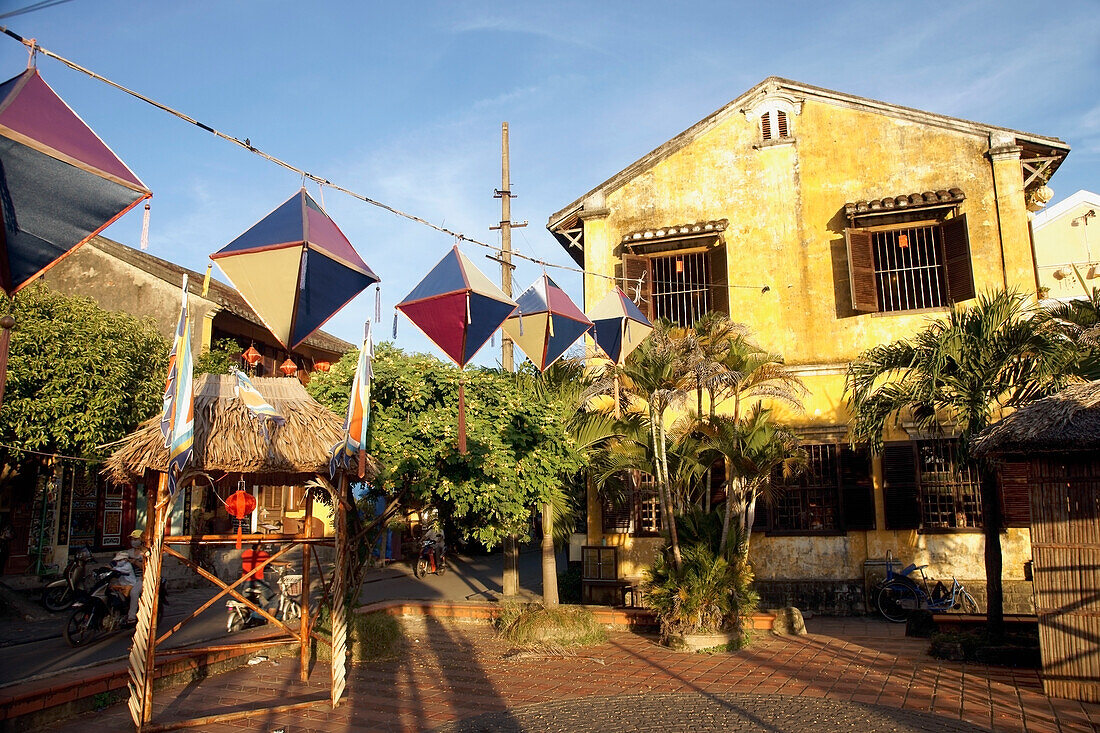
284, 605
60, 594
431, 560
99, 611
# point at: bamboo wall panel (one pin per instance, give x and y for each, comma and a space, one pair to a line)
1065, 535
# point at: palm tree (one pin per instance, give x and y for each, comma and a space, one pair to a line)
964, 370
564, 385
652, 379
755, 448
1079, 319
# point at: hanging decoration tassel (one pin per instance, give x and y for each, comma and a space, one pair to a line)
377, 303
493, 340
550, 321
461, 417
520, 324
206, 280
395, 326
302, 272
145, 228
469, 320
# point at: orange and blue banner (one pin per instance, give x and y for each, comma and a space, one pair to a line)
177, 419
358, 417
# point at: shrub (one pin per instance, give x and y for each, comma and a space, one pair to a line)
569, 585
533, 625
709, 594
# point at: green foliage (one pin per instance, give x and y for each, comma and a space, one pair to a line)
221, 355
707, 594
533, 625
78, 376
519, 445
569, 584
1079, 320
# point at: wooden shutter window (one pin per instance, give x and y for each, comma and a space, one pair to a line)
1015, 493
856, 490
956, 260
635, 268
861, 270
899, 477
718, 286
766, 125
781, 117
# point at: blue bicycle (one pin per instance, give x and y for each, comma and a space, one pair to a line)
899, 594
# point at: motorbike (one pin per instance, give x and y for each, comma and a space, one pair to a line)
99, 611
60, 594
283, 605
430, 560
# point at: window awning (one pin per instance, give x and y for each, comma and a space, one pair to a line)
942, 199
677, 236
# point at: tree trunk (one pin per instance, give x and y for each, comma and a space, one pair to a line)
735, 498
673, 535
991, 513
749, 519
549, 559
510, 582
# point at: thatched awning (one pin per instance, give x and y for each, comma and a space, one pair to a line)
228, 438
1066, 422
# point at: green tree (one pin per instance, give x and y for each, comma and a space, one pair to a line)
1079, 319
221, 355
78, 376
518, 447
962, 371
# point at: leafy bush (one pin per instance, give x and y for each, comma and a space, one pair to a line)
533, 625
709, 594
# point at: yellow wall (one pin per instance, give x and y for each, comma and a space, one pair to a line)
785, 207
1059, 245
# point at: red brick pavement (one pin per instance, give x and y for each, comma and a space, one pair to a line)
455, 670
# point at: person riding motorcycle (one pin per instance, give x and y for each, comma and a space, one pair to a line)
126, 581
136, 556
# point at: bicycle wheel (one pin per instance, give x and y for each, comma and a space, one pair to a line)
896, 601
79, 631
966, 603
292, 612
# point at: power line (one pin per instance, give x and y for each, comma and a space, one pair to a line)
42, 5
34, 48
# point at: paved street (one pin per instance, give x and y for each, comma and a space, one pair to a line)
847, 675
32, 649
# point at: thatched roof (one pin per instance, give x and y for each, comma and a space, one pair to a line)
228, 438
1065, 422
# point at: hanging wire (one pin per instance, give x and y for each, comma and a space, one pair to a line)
34, 47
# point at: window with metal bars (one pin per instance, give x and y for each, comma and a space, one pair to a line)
910, 267
681, 287
810, 502
949, 489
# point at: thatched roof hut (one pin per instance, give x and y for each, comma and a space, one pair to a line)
1066, 422
228, 438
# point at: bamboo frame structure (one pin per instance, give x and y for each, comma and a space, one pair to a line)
143, 652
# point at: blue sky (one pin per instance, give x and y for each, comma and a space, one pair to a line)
403, 102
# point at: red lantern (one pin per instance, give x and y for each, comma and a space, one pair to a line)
322, 366
240, 504
288, 367
252, 356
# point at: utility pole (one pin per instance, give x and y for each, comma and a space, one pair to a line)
510, 584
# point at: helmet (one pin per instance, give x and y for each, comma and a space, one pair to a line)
120, 556
136, 534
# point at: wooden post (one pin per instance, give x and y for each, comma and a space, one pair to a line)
303, 629
338, 590
144, 647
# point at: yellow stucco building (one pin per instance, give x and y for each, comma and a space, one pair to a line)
827, 223
1067, 246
